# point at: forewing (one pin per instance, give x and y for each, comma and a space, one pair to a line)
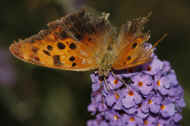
72, 43
130, 48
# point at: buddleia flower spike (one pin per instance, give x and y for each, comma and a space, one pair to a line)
153, 97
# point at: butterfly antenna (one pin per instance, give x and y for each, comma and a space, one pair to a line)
162, 38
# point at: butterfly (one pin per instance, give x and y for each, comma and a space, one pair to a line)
83, 41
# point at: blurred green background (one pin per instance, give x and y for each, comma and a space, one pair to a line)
32, 95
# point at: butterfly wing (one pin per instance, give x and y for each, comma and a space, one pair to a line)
131, 43
72, 43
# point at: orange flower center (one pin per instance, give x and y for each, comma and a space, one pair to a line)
145, 122
149, 68
140, 83
130, 93
150, 101
158, 82
132, 119
117, 96
116, 117
162, 107
115, 81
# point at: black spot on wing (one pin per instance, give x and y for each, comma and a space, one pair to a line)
72, 58
36, 58
60, 45
46, 52
49, 47
74, 64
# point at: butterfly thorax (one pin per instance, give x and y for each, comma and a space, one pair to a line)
105, 65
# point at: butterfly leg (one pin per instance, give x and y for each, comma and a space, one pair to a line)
106, 85
120, 79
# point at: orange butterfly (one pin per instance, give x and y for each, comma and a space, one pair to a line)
82, 41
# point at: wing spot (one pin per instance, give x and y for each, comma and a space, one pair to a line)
46, 52
49, 47
74, 64
60, 45
34, 49
56, 60
134, 45
72, 46
129, 58
72, 58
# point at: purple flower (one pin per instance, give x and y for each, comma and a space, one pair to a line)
154, 67
152, 97
114, 83
150, 121
143, 83
152, 104
131, 120
131, 98
167, 110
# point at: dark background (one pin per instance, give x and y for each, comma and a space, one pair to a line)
32, 95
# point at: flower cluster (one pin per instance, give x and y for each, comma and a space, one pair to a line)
150, 96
